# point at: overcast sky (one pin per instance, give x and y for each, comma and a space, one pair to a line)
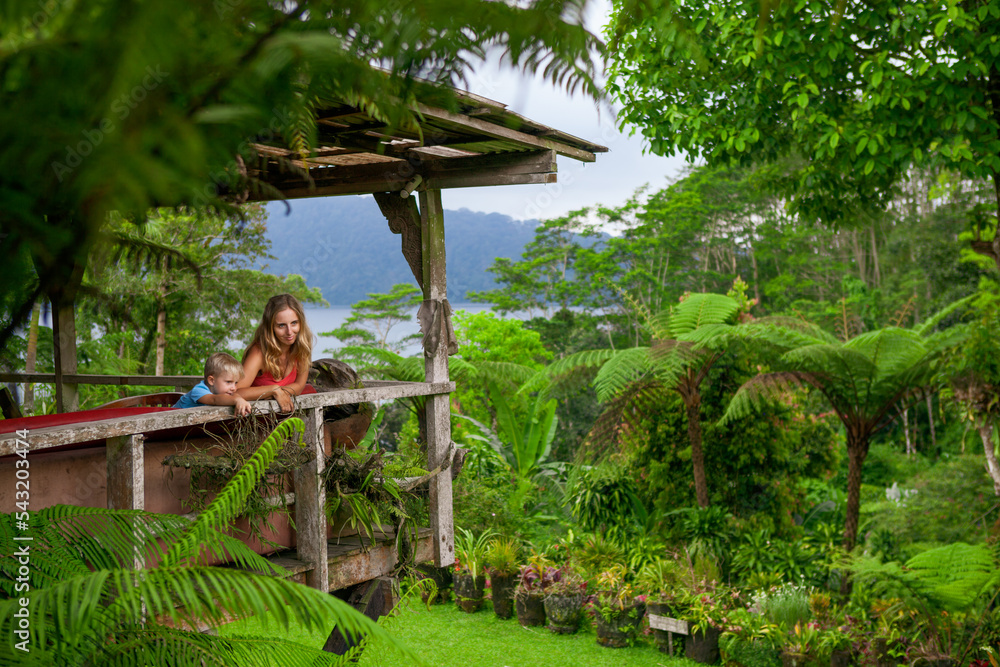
610, 180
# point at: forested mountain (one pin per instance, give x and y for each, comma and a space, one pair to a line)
343, 246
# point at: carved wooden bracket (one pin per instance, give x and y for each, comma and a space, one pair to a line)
404, 219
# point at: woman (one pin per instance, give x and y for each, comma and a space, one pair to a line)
276, 364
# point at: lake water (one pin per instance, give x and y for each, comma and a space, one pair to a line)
328, 319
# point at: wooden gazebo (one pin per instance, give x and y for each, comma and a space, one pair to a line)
479, 143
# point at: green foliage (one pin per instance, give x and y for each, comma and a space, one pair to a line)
866, 380
953, 503
604, 499
530, 438
762, 460
87, 605
482, 503
504, 555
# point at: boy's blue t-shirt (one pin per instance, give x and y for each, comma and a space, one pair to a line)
190, 399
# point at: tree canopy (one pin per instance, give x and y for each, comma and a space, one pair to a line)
854, 93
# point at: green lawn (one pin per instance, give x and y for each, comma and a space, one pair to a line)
447, 637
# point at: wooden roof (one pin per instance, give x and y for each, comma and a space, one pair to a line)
480, 143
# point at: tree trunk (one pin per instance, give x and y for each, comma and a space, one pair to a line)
985, 428
930, 420
875, 263
857, 449
692, 401
161, 325
29, 359
906, 431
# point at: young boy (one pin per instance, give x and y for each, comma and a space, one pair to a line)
222, 372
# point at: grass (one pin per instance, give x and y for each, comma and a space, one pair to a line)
446, 637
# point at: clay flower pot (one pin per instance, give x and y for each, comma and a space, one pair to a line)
530, 608
503, 594
469, 592
618, 628
703, 645
563, 612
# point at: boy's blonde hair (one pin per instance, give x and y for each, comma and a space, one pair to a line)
220, 362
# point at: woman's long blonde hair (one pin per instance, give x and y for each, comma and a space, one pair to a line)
264, 336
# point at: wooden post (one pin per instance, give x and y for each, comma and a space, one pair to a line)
436, 370
126, 474
310, 505
64, 341
126, 480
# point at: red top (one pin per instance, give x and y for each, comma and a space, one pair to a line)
265, 379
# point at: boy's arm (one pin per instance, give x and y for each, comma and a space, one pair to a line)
242, 407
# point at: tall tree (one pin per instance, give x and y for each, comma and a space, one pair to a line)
855, 92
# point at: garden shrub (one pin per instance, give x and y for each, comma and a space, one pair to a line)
753, 465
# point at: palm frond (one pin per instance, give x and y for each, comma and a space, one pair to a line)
623, 415
761, 389
228, 502
928, 325
696, 310
588, 359
621, 370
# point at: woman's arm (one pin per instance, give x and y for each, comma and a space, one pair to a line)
301, 378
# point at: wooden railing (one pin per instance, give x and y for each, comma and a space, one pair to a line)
125, 465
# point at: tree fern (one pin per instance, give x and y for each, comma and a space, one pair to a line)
867, 380
687, 340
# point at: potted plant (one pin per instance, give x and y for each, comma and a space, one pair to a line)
706, 610
503, 556
564, 602
470, 581
660, 579
619, 613
529, 597
802, 647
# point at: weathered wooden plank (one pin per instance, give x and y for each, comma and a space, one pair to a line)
487, 180
129, 380
436, 370
452, 172
350, 564
674, 625
57, 436
126, 475
64, 341
500, 132
310, 504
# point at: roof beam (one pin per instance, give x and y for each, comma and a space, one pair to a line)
505, 133
458, 172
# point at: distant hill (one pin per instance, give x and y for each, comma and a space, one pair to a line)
343, 246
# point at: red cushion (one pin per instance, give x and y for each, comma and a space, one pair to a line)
46, 421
